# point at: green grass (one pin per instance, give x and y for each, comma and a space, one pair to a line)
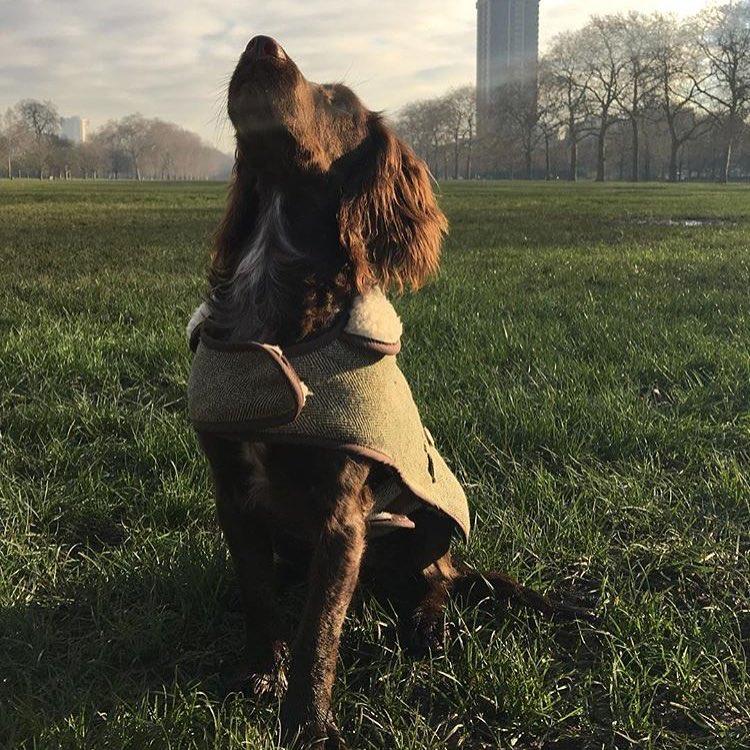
587, 375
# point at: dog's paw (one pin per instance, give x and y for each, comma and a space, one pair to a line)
334, 740
298, 732
325, 736
257, 681
255, 685
424, 636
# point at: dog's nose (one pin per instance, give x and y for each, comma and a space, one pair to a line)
263, 46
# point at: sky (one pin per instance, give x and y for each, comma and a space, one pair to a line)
172, 58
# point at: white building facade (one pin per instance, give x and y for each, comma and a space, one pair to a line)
74, 128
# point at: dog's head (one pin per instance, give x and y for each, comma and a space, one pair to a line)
319, 141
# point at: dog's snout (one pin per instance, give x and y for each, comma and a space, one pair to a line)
263, 46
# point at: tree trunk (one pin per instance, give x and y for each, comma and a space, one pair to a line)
674, 152
456, 157
636, 150
727, 165
601, 153
573, 175
547, 165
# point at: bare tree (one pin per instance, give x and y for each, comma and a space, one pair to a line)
605, 78
551, 113
724, 42
636, 49
15, 138
165, 138
459, 107
43, 123
411, 125
427, 123
677, 74
91, 158
41, 118
135, 139
569, 80
519, 118
436, 121
115, 157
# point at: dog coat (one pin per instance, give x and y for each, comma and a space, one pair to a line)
341, 389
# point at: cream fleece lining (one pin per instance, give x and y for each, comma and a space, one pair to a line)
199, 315
372, 316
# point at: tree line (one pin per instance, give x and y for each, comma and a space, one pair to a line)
133, 147
628, 96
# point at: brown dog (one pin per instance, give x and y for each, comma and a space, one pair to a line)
326, 204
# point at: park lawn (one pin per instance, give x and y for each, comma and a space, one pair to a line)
584, 366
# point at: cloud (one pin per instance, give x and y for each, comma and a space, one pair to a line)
103, 59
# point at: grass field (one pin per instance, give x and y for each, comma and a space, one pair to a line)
585, 368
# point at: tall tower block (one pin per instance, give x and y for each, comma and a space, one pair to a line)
507, 52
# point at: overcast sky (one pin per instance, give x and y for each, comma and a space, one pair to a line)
171, 58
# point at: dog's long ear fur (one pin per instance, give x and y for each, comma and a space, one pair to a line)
238, 222
389, 221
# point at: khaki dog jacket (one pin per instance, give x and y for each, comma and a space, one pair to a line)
341, 389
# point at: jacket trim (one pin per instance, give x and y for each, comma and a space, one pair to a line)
373, 345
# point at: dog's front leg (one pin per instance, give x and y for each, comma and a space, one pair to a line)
235, 469
306, 714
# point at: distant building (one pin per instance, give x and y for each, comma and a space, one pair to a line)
74, 128
507, 52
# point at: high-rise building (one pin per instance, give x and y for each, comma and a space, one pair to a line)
507, 52
74, 128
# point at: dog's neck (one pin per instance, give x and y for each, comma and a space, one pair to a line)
289, 279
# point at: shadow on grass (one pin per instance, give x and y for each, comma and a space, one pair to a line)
130, 621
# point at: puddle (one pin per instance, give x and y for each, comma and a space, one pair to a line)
657, 221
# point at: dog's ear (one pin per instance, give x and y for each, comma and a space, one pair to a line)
389, 220
238, 222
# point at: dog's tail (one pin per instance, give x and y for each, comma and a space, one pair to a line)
474, 587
